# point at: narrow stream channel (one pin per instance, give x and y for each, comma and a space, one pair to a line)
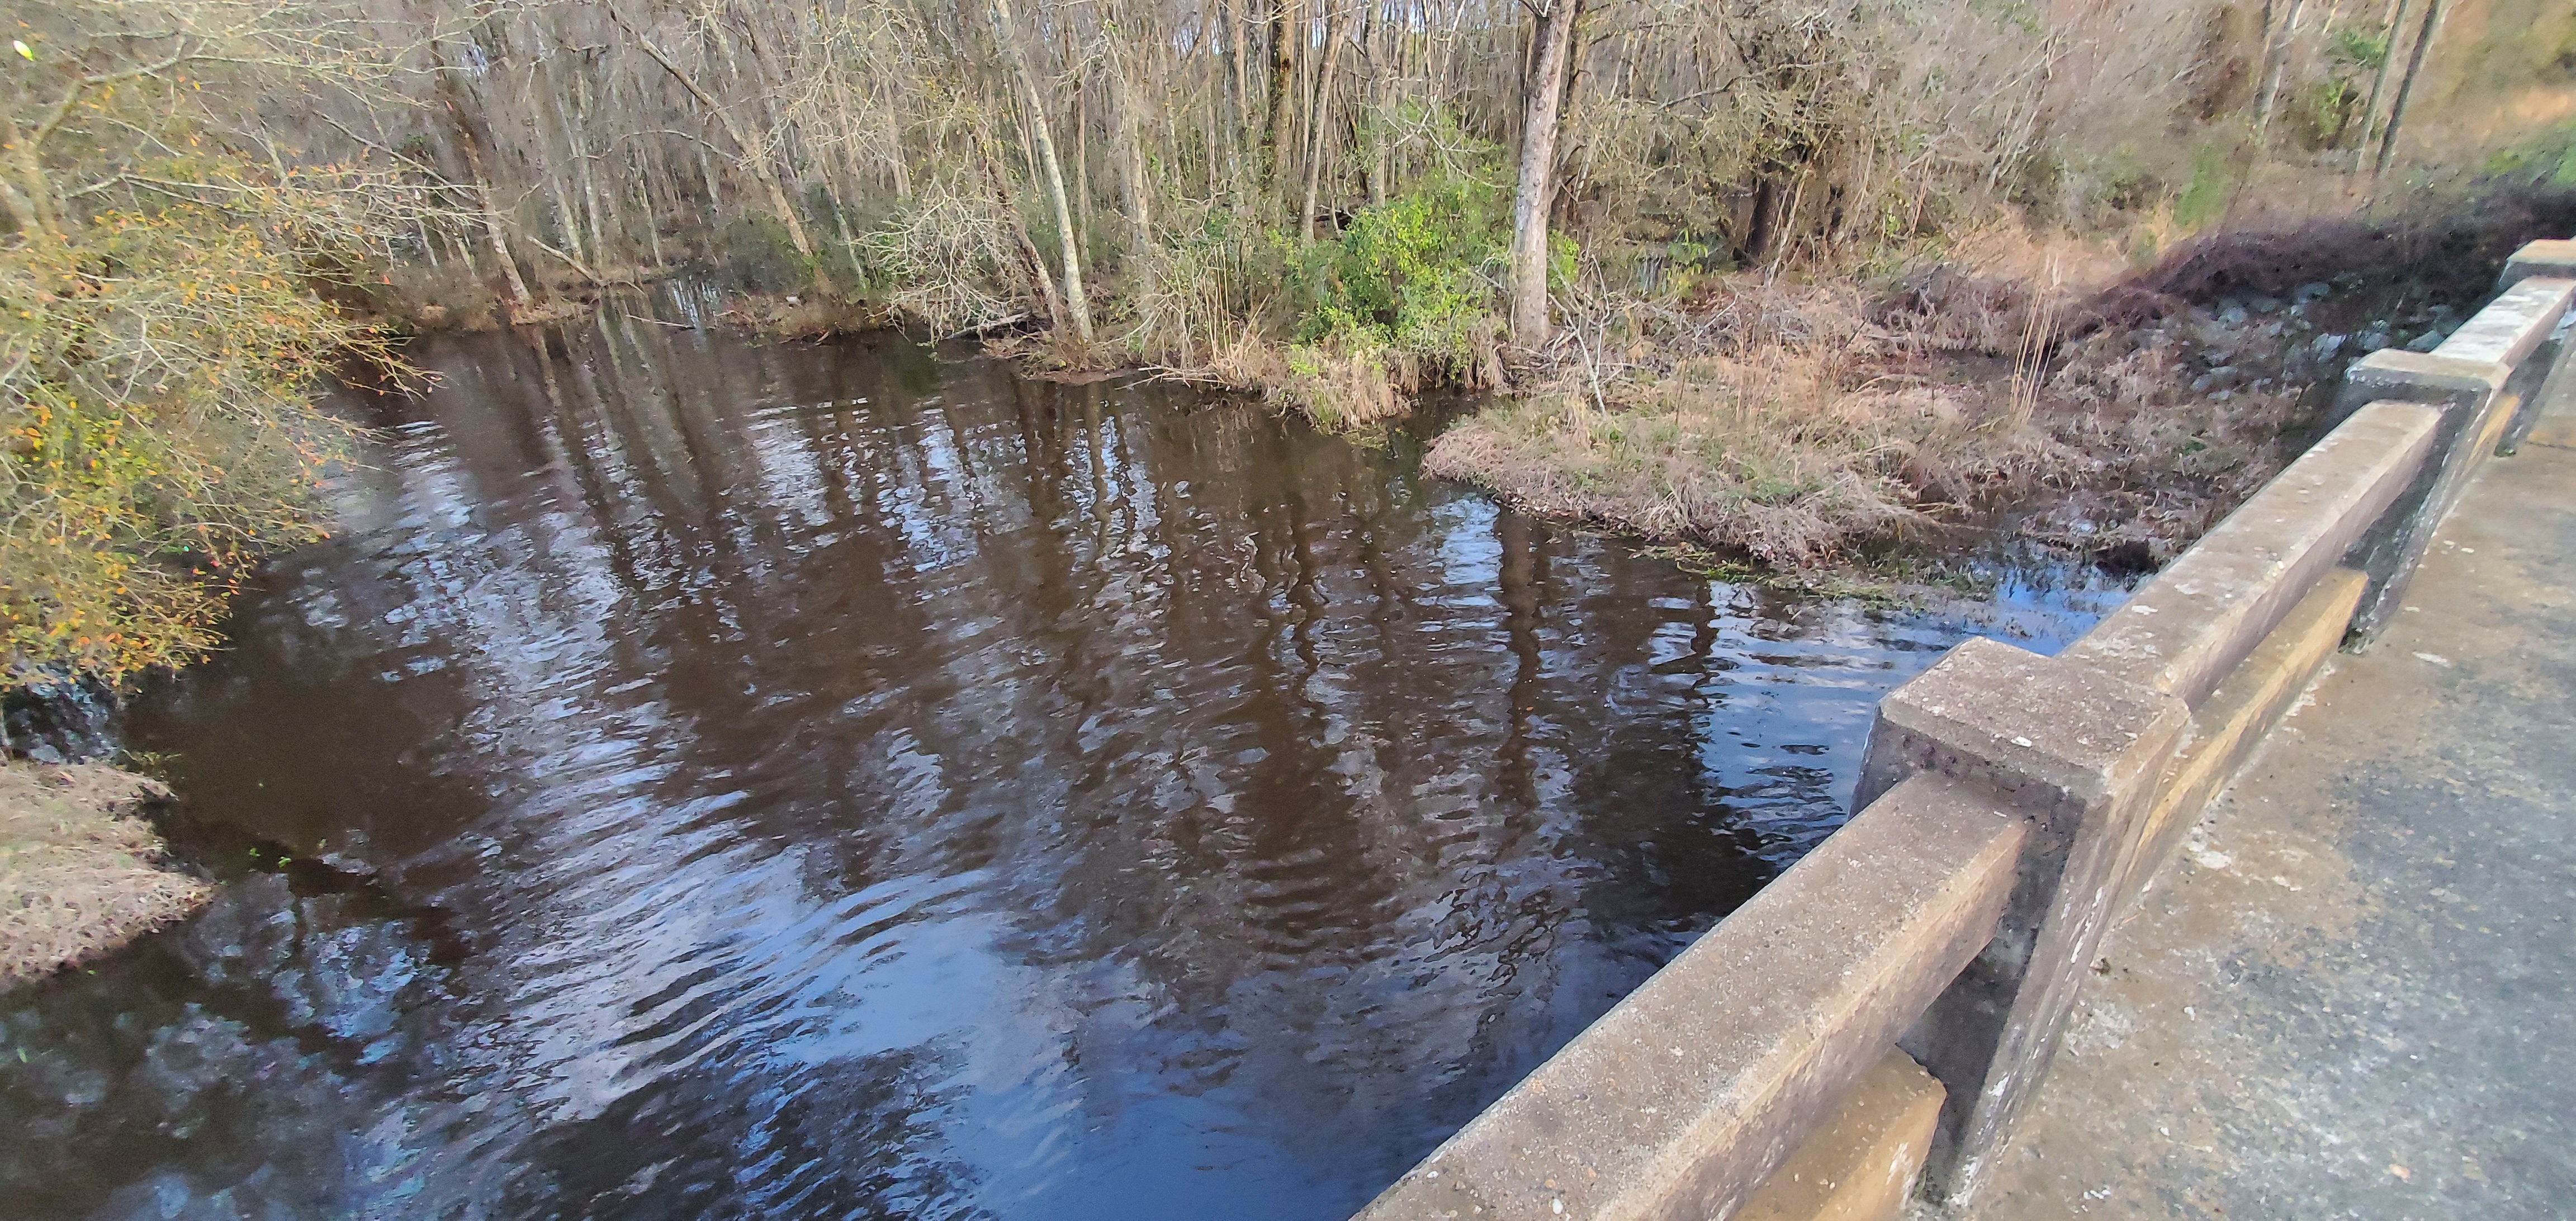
825, 780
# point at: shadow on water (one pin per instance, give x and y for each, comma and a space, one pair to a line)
826, 780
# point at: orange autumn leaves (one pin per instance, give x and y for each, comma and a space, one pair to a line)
158, 430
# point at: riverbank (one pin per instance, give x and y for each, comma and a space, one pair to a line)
2013, 380
80, 871
2113, 416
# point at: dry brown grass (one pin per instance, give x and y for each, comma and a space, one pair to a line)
1711, 456
1348, 388
78, 870
1338, 389
1791, 422
1783, 422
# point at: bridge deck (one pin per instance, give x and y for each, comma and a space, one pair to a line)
2355, 993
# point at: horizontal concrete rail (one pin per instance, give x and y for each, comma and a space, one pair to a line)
2186, 629
2556, 260
1687, 1094
2011, 805
1861, 1165
2478, 380
2227, 727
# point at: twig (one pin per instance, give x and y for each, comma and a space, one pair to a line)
574, 263
981, 327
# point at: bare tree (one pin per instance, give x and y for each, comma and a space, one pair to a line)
1034, 115
754, 152
1533, 197
2424, 36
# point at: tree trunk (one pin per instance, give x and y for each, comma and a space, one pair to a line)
1075, 307
1131, 148
1274, 152
1240, 140
1532, 197
1579, 87
841, 221
2277, 52
755, 154
2378, 84
1766, 216
1323, 113
1370, 120
1214, 124
1081, 157
603, 205
584, 252
570, 222
545, 83
652, 214
2414, 63
490, 203
708, 178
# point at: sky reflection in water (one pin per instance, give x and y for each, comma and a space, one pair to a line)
817, 781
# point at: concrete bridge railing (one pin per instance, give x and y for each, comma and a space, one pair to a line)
1878, 1018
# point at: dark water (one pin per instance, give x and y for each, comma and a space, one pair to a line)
822, 781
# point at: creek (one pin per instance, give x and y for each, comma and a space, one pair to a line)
706, 779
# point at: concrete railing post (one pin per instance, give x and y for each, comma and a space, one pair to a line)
2549, 260
2556, 381
2476, 379
2077, 753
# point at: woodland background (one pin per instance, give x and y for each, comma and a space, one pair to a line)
209, 204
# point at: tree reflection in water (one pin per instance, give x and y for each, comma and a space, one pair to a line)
803, 781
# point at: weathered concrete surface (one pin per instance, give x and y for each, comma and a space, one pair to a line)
2546, 258
2521, 330
2355, 996
1683, 1098
2186, 631
2514, 325
2470, 395
2077, 752
1862, 1165
2228, 728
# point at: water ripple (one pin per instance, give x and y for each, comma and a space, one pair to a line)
828, 781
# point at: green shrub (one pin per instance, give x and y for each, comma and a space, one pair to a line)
2323, 112
2547, 156
157, 427
2321, 115
760, 254
2206, 198
1422, 275
2352, 48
